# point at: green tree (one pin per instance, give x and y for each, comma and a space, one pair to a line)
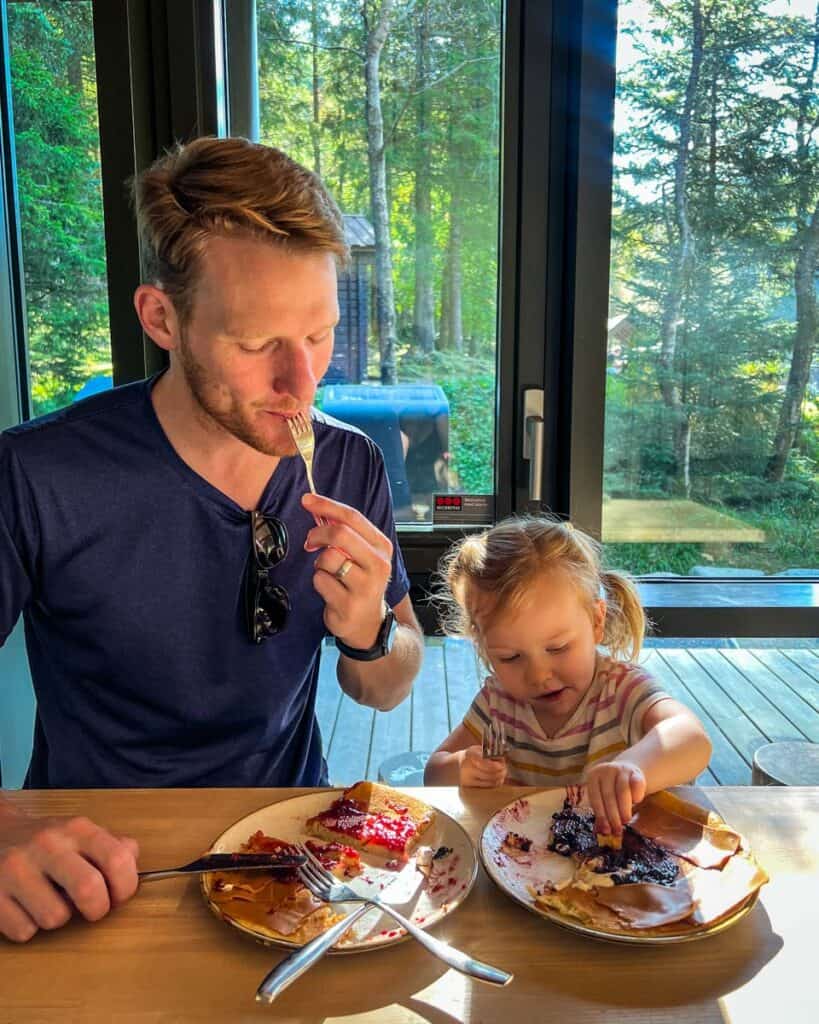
58, 171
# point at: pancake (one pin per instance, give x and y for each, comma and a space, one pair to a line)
675, 825
279, 905
680, 868
376, 819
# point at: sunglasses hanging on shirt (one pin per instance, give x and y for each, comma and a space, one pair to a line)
266, 604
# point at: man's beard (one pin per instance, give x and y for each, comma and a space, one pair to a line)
202, 385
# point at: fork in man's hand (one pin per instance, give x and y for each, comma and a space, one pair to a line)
301, 430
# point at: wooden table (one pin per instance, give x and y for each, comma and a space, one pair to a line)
163, 957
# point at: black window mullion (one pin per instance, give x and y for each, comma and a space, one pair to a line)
13, 315
534, 187
506, 423
157, 85
118, 145
591, 255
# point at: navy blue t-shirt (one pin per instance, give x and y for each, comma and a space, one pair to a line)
128, 566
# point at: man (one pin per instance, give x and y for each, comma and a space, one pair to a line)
175, 576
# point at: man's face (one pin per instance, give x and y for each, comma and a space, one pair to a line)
260, 337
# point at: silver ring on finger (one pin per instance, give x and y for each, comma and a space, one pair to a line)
343, 569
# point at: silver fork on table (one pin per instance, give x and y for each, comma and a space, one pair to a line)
493, 743
325, 886
301, 430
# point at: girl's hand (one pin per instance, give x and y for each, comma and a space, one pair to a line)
477, 770
614, 787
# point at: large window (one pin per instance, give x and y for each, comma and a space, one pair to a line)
469, 147
712, 393
398, 108
54, 99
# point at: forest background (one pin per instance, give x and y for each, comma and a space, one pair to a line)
712, 381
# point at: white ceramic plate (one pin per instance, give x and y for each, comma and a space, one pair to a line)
531, 816
450, 881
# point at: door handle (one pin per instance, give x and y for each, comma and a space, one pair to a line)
533, 441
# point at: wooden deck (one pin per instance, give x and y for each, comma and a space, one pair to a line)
744, 697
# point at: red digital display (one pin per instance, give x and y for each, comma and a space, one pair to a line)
453, 502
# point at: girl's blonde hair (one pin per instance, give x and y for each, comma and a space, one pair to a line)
227, 186
500, 564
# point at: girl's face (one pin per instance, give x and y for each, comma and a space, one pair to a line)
544, 651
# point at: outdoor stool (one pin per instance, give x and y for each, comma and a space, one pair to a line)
788, 763
405, 769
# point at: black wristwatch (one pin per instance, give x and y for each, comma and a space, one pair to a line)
382, 646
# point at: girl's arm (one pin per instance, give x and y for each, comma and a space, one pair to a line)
459, 762
673, 750
444, 765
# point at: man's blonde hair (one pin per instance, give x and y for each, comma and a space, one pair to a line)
496, 569
211, 187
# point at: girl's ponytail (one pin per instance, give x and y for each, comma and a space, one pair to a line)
625, 619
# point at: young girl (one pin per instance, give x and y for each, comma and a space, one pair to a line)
531, 595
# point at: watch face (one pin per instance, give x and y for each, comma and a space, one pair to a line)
382, 645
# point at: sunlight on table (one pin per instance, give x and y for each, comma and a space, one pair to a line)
784, 983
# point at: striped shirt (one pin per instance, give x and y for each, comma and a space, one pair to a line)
607, 721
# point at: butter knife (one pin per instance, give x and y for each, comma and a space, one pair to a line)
228, 862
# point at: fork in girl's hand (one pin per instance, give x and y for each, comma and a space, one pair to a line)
493, 743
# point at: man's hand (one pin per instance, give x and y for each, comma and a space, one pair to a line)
51, 866
351, 571
614, 787
477, 770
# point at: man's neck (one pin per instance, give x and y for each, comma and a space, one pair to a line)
230, 465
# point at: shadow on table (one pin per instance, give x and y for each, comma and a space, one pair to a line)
698, 973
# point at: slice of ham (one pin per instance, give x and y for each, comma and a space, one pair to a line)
707, 846
646, 904
280, 905
239, 889
289, 916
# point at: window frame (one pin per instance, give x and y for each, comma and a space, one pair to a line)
680, 606
15, 403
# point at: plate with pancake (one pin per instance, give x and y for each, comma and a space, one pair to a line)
365, 834
679, 872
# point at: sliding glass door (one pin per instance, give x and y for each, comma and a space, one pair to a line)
712, 373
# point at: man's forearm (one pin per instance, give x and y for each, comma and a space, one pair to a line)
384, 683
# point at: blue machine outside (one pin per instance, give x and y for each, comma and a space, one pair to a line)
93, 387
419, 412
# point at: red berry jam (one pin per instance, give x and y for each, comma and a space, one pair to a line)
391, 831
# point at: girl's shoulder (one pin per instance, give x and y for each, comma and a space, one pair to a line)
613, 674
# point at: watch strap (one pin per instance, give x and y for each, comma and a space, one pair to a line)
381, 647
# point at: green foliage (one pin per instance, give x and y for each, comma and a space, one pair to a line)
749, 186
643, 559
751, 183
58, 173
312, 99
469, 385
